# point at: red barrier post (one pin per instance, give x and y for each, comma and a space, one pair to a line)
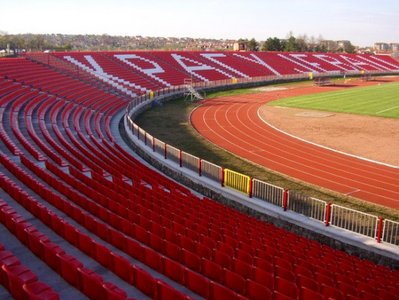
328, 214
200, 167
380, 228
285, 199
250, 187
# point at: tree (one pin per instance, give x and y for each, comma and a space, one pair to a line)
273, 44
253, 45
350, 48
291, 44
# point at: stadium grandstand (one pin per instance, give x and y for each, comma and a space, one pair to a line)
82, 217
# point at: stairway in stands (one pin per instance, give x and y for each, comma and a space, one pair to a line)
81, 218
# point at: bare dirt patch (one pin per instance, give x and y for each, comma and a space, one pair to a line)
369, 137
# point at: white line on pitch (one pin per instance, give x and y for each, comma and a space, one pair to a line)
388, 109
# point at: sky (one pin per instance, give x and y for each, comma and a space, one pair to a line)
363, 22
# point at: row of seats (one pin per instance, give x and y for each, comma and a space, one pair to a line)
19, 280
210, 249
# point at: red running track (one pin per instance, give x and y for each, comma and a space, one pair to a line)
233, 124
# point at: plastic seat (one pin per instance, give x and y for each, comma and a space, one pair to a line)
234, 281
212, 270
173, 270
257, 291
69, 268
134, 249
113, 292
286, 287
264, 264
39, 291
117, 239
173, 251
166, 292
264, 278
310, 294
122, 267
86, 244
244, 256
242, 268
226, 248
222, 259
191, 260
144, 281
91, 283
103, 255
157, 243
218, 291
284, 273
203, 251
52, 253
303, 281
186, 243
302, 270
36, 239
283, 263
333, 293
17, 276
197, 283
324, 280
152, 258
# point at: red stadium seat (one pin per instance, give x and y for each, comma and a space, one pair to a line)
39, 291
234, 281
212, 270
197, 283
173, 270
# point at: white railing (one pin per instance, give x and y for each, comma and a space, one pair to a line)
267, 192
353, 220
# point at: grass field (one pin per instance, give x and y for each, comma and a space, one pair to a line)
377, 100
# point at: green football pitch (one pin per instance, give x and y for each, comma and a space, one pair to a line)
378, 100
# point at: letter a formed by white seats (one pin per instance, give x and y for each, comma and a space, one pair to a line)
394, 67
157, 69
359, 65
211, 57
199, 67
98, 71
301, 56
292, 59
259, 61
375, 64
335, 62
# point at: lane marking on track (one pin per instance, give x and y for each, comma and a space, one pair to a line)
324, 147
353, 192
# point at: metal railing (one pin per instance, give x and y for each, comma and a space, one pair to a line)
391, 232
353, 220
267, 192
308, 206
